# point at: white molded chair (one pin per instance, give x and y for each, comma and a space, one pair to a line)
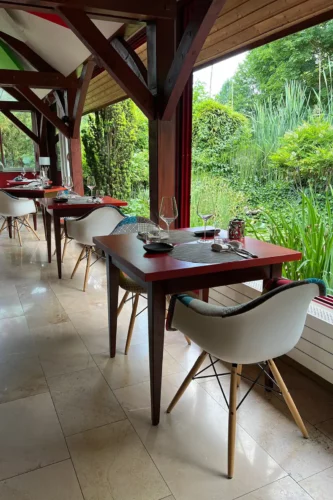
252, 333
17, 209
99, 222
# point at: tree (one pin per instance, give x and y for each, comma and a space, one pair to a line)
217, 130
303, 57
17, 146
108, 142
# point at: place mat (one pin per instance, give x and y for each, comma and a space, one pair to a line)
178, 236
201, 253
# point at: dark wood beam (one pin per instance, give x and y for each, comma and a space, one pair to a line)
129, 55
126, 9
27, 53
21, 126
44, 109
80, 98
14, 93
16, 106
202, 17
35, 79
99, 46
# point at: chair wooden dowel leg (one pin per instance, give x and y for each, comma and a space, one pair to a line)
122, 303
18, 231
239, 375
288, 399
188, 340
232, 421
78, 262
132, 321
187, 381
86, 276
4, 225
32, 229
67, 240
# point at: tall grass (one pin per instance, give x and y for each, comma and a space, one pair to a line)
308, 229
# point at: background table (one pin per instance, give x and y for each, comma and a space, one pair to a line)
22, 183
57, 211
160, 275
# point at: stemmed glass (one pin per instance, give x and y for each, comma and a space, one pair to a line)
168, 210
23, 171
206, 210
68, 183
91, 183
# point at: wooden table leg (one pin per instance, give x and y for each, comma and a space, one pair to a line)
204, 294
57, 238
10, 227
113, 288
47, 223
44, 221
34, 218
156, 323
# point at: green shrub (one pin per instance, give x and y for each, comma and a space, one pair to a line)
217, 130
306, 154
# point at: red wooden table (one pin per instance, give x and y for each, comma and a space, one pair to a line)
23, 183
58, 211
161, 275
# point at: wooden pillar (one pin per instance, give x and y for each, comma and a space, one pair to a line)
75, 160
162, 134
52, 152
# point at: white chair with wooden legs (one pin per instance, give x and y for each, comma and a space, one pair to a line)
252, 333
17, 209
99, 222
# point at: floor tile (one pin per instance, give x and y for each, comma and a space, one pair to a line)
319, 486
326, 428
83, 400
55, 482
123, 370
189, 447
76, 301
89, 321
111, 462
20, 377
52, 313
284, 489
30, 436
15, 337
10, 307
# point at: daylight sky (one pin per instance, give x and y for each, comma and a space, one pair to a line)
214, 76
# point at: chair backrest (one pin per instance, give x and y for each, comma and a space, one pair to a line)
99, 222
10, 206
134, 224
262, 329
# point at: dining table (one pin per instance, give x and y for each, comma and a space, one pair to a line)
167, 273
23, 182
55, 210
23, 190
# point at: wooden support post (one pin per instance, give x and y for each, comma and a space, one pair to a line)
162, 134
75, 159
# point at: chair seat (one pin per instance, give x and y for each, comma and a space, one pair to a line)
129, 285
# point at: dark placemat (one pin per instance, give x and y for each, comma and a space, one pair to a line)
177, 237
203, 254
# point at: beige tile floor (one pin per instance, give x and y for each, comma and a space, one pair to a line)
75, 424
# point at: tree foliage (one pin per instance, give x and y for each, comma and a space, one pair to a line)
108, 142
217, 129
306, 153
303, 57
18, 148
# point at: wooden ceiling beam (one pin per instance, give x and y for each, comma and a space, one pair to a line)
203, 17
80, 98
114, 64
16, 106
20, 125
129, 55
14, 93
44, 109
127, 9
35, 79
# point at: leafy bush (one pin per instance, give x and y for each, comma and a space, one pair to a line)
306, 153
308, 229
217, 130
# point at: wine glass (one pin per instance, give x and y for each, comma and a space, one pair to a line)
91, 183
68, 183
23, 171
206, 210
168, 210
